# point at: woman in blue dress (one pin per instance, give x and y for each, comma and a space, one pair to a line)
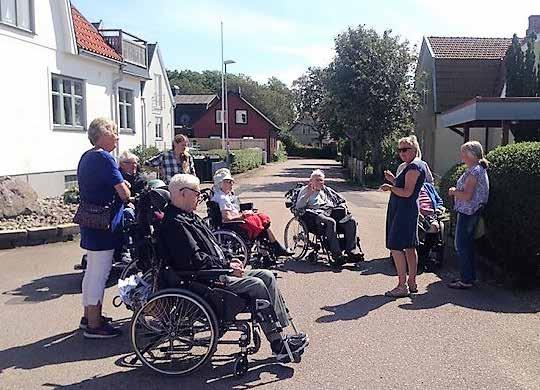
402, 216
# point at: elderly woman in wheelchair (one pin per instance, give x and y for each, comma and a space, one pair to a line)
178, 329
321, 211
252, 225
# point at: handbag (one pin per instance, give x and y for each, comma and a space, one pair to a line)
92, 216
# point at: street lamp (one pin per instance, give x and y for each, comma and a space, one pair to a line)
225, 63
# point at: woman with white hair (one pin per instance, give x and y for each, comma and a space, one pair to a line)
102, 191
255, 223
470, 195
402, 216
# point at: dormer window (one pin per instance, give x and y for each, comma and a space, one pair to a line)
17, 13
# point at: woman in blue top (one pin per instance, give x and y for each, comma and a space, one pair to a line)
100, 183
470, 195
402, 216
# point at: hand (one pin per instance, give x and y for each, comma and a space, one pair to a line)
389, 176
237, 267
247, 212
127, 183
311, 188
386, 187
452, 191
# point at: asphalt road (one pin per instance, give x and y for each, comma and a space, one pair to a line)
486, 338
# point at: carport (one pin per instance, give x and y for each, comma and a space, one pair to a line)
493, 112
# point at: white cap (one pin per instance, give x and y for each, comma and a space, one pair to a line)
222, 174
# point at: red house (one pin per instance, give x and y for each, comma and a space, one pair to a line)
198, 116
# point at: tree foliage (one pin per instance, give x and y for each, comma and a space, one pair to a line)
273, 98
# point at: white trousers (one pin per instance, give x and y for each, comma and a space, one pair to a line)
98, 267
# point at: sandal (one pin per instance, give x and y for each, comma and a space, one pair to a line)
460, 285
413, 288
398, 292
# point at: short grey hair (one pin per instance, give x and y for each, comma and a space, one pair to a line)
412, 141
128, 156
475, 149
317, 173
182, 180
98, 127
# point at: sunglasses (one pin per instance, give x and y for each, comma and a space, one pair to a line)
403, 150
191, 189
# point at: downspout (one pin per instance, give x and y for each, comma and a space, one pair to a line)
143, 117
173, 122
116, 114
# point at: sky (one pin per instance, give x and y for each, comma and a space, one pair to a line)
282, 38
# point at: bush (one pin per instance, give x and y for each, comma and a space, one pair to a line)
513, 210
246, 159
448, 180
279, 155
144, 153
72, 196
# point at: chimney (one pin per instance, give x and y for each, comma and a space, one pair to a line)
97, 25
534, 25
239, 91
175, 90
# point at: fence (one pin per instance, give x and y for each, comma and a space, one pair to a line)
234, 143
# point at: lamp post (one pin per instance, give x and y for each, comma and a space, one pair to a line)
226, 101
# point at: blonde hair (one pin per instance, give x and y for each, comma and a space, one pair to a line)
99, 127
185, 156
412, 141
475, 150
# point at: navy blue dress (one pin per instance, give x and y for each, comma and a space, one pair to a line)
402, 214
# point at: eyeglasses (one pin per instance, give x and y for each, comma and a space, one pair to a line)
403, 150
191, 189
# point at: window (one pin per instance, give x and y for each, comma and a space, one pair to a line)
70, 181
18, 13
219, 116
159, 128
241, 117
68, 102
247, 137
158, 92
215, 137
125, 105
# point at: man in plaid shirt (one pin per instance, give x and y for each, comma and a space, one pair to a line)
174, 161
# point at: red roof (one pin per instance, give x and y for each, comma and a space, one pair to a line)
469, 47
89, 39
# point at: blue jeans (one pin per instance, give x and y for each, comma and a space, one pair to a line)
464, 244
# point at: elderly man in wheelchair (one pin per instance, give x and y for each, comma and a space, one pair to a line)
219, 286
322, 207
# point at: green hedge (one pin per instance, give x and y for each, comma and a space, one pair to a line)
246, 159
513, 211
450, 179
144, 153
279, 155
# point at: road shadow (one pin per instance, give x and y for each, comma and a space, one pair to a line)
482, 297
381, 266
52, 287
353, 310
211, 376
305, 267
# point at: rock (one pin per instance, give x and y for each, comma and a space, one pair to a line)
16, 198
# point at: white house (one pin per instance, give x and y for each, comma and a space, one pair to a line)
58, 72
158, 103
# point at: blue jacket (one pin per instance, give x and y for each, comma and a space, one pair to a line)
433, 195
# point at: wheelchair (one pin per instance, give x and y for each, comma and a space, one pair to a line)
180, 320
234, 240
431, 233
306, 237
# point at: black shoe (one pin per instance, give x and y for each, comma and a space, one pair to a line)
296, 345
84, 322
355, 256
279, 251
105, 331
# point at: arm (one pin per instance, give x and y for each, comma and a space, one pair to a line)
192, 166
229, 216
123, 191
468, 191
410, 182
303, 197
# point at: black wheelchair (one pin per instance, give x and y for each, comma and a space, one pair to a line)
181, 317
233, 239
304, 234
431, 233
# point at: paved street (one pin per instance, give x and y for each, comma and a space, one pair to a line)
487, 338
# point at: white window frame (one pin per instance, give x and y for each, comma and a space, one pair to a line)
158, 128
158, 92
73, 96
219, 116
17, 24
238, 117
127, 116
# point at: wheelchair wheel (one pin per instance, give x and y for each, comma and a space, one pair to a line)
175, 332
131, 269
296, 238
232, 245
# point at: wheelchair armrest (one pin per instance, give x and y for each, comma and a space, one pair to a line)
238, 222
246, 206
204, 273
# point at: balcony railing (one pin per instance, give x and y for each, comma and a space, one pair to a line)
131, 48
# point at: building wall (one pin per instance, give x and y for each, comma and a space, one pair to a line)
305, 134
256, 127
153, 112
30, 145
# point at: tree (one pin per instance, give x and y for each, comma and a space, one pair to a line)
273, 98
529, 71
310, 96
371, 82
515, 69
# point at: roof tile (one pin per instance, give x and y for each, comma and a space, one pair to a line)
469, 47
89, 39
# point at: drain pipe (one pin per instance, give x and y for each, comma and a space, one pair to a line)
116, 114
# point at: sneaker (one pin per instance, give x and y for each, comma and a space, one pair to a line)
297, 346
105, 331
84, 322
